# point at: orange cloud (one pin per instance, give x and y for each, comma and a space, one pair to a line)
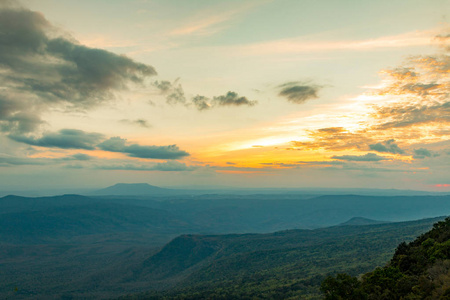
335, 138
445, 185
415, 109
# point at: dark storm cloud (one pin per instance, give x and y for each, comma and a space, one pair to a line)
169, 166
117, 144
388, 146
365, 157
64, 139
298, 92
41, 67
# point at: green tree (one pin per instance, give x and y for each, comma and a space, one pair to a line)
343, 286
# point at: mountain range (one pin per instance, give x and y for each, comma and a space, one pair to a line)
214, 245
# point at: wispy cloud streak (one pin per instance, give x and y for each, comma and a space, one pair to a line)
303, 45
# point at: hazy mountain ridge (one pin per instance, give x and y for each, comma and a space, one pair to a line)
74, 215
109, 241
145, 189
68, 217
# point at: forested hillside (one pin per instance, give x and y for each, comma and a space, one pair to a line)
282, 265
418, 270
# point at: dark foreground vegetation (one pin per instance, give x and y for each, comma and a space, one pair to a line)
418, 270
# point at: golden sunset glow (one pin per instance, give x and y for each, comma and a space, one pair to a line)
227, 88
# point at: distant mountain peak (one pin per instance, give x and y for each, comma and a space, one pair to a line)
129, 189
133, 185
362, 221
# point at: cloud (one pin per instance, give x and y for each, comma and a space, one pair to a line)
413, 104
331, 130
138, 122
57, 68
78, 139
44, 67
321, 162
64, 139
352, 165
422, 153
169, 166
89, 75
16, 115
79, 157
73, 166
229, 99
201, 102
174, 94
388, 146
164, 86
117, 144
303, 45
444, 41
298, 92
334, 138
420, 93
200, 27
365, 157
210, 21
8, 160
403, 115
232, 99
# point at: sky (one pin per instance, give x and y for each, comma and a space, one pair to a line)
298, 94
